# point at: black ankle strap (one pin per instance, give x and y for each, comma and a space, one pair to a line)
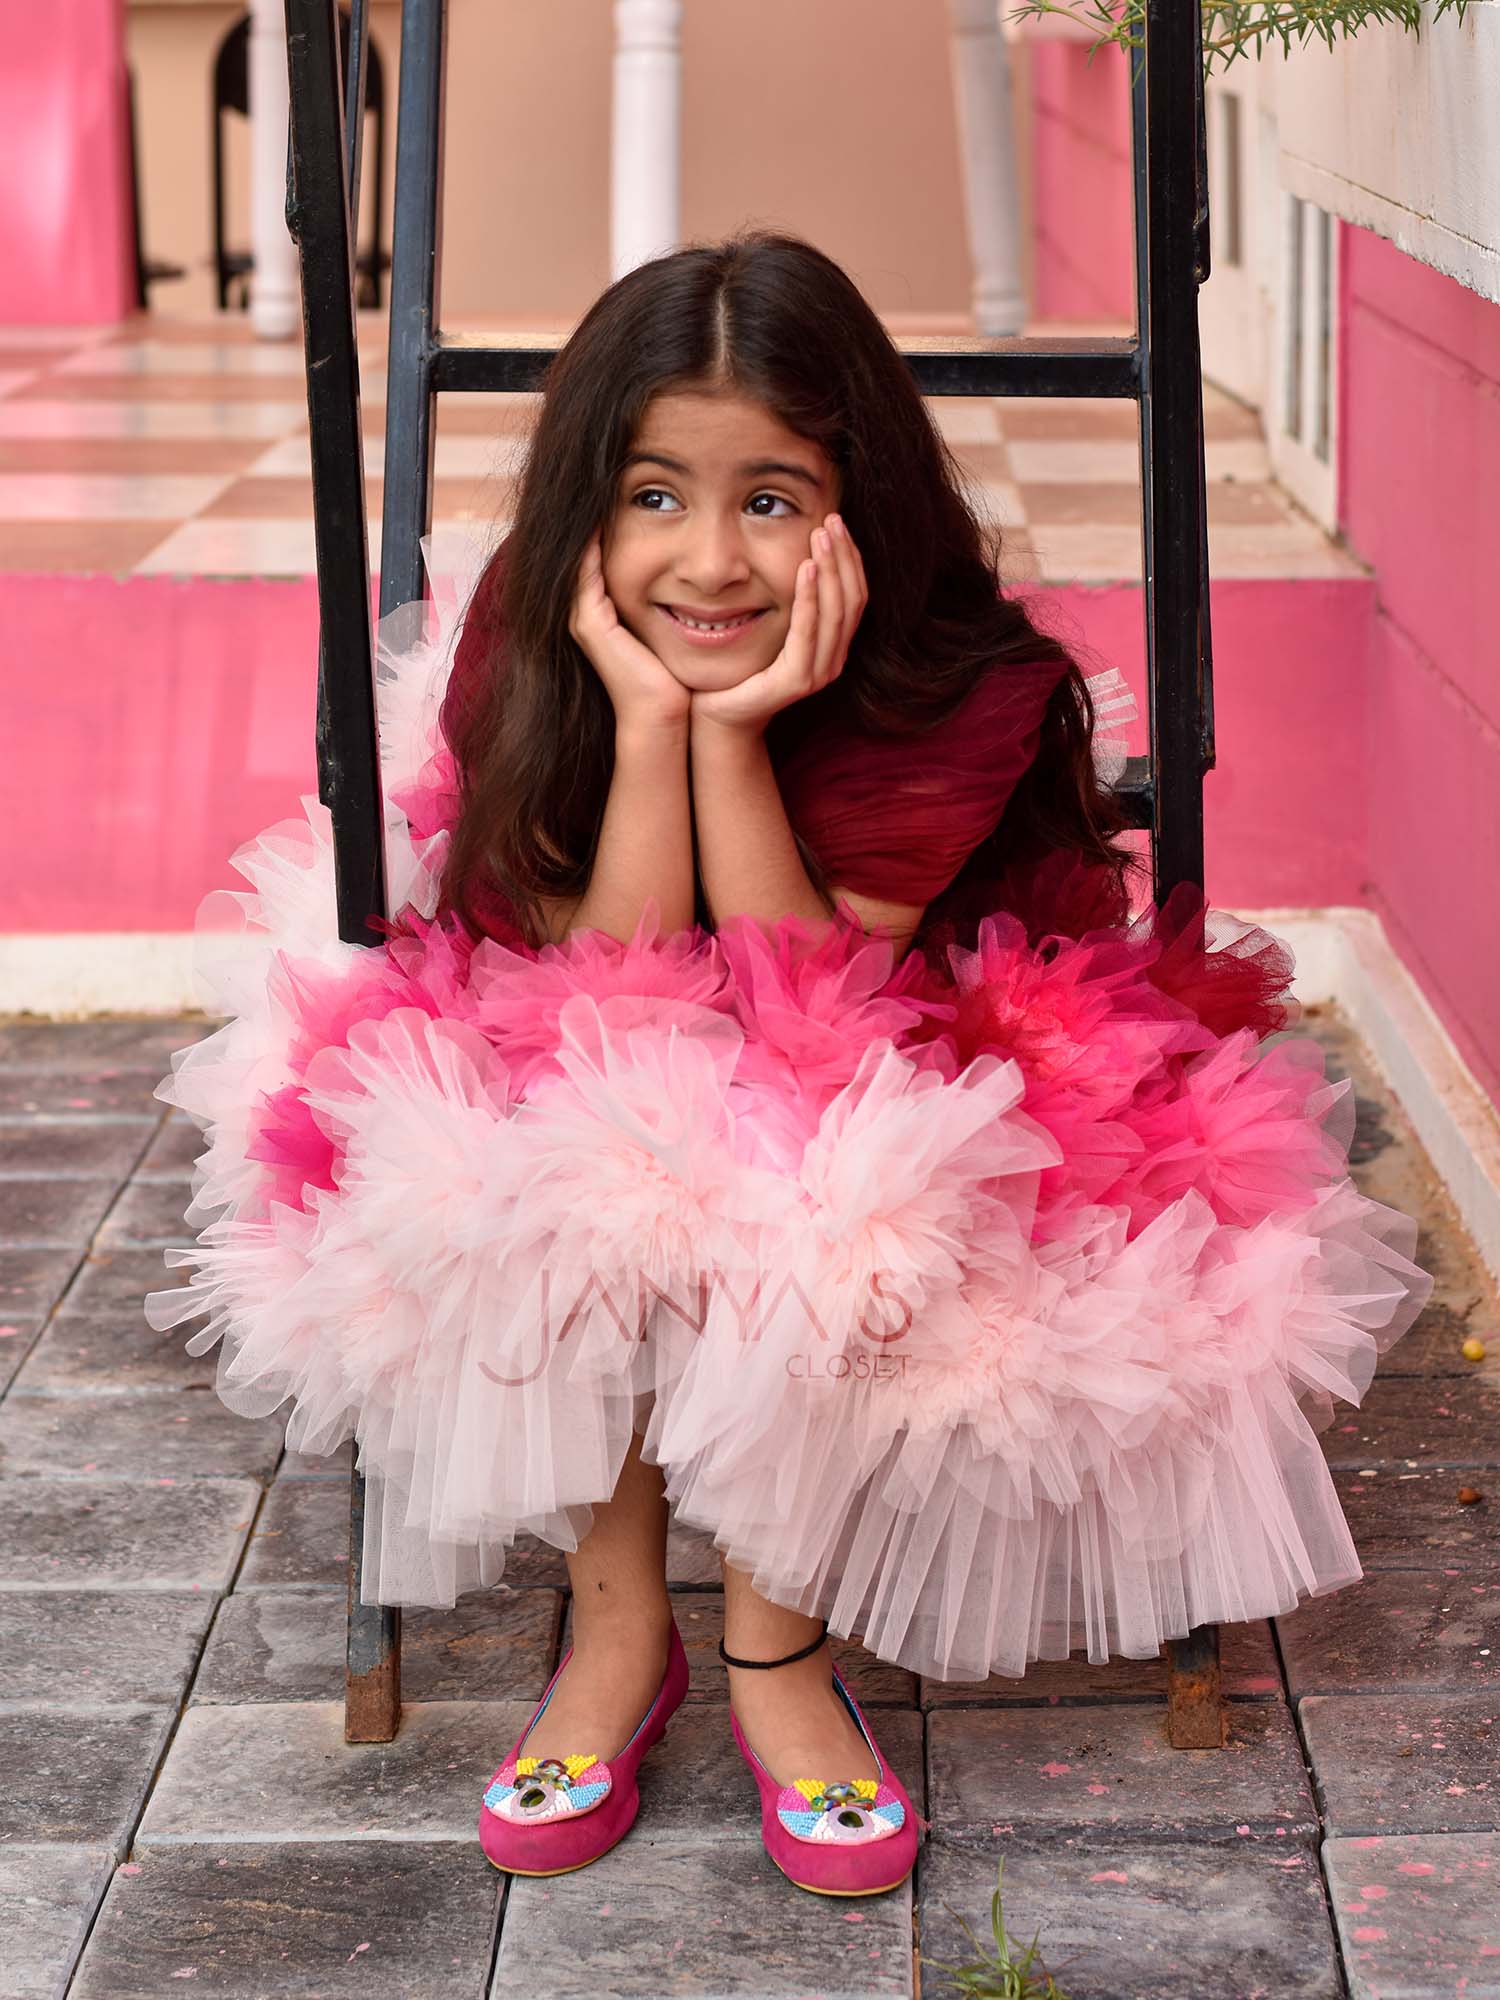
786, 1659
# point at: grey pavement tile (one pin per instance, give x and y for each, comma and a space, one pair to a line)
301, 1538
52, 1214
302, 1542
1397, 1629
700, 1619
271, 1645
413, 1921
84, 1357
173, 1152
16, 1344
111, 1283
282, 1771
133, 1044
1415, 1520
77, 1776
1416, 1915
103, 1646
697, 1761
1405, 1763
1108, 1768
692, 1559
667, 1916
326, 1465
91, 1091
32, 1281
1117, 1919
1247, 1664
111, 1534
48, 1896
1417, 1418
178, 1432
1462, 1303
148, 1213
86, 1148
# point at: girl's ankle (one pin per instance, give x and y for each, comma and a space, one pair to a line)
620, 1627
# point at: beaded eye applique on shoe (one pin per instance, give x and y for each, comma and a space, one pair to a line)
855, 1813
536, 1789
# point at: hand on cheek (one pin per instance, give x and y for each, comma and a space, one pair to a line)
829, 600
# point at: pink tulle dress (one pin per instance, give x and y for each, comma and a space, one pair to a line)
988, 1303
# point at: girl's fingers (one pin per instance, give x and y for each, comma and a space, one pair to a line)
849, 576
829, 656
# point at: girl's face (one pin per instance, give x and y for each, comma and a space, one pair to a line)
715, 510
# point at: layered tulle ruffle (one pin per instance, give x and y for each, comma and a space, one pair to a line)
990, 1308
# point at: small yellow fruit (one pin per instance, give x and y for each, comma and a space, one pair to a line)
1473, 1349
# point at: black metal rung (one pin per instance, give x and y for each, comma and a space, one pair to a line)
473, 363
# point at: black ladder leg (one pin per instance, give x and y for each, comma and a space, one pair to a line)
1172, 260
1196, 1718
348, 760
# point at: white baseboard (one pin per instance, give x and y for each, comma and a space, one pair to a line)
76, 975
1342, 955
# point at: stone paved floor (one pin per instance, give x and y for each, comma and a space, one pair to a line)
179, 1812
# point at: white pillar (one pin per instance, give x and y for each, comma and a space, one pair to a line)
987, 147
275, 305
646, 140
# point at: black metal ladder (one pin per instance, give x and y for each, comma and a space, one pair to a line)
1158, 367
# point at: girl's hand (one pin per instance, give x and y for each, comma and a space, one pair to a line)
829, 602
640, 687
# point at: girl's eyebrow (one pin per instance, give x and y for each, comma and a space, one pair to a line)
757, 468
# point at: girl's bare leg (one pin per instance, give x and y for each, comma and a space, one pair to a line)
791, 1717
621, 1621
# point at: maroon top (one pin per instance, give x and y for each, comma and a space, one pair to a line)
889, 817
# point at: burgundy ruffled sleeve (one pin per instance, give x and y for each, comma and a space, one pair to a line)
897, 817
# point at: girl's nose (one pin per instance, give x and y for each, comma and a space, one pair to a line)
714, 557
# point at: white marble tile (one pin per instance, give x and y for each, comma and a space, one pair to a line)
476, 458
275, 548
173, 357
1065, 461
235, 548
966, 419
1291, 548
1092, 554
41, 419
106, 496
52, 336
1002, 500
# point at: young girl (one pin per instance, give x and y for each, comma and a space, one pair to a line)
766, 1102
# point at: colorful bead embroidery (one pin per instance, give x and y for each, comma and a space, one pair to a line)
534, 1789
857, 1812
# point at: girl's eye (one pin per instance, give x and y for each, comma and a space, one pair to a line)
649, 498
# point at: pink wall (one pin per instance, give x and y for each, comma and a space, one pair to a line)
1080, 162
161, 724
66, 248
1419, 481
164, 722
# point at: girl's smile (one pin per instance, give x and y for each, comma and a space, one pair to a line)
715, 512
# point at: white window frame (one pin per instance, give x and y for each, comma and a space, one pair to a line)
1302, 411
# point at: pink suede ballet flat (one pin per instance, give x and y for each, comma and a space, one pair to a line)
855, 1837
549, 1815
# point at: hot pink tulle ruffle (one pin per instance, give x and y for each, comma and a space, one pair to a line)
990, 1310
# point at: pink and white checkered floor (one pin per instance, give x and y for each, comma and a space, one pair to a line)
179, 447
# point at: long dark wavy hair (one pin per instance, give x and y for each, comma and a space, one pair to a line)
767, 316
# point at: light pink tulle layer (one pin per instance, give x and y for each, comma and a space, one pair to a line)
992, 1314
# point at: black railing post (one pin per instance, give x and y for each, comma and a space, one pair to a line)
416, 253
348, 758
1172, 419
